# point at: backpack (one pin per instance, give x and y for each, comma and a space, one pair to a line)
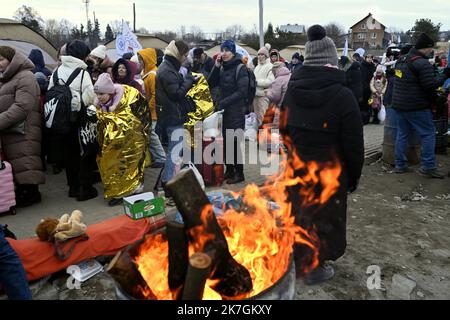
58, 114
251, 83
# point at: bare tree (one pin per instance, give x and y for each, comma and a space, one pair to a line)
29, 17
116, 27
336, 32
143, 31
57, 32
196, 32
235, 31
182, 32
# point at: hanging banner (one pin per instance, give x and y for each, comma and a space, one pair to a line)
127, 41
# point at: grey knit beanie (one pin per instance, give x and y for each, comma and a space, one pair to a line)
320, 50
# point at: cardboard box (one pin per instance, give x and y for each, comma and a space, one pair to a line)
143, 206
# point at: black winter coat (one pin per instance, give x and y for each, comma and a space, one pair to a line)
172, 105
324, 124
390, 75
413, 92
367, 71
204, 68
233, 91
354, 80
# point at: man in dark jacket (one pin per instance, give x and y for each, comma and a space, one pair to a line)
324, 125
414, 89
202, 63
230, 74
172, 105
367, 70
353, 75
296, 62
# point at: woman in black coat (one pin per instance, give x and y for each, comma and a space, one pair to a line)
231, 75
353, 75
368, 68
323, 123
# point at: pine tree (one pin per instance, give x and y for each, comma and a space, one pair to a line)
109, 34
269, 36
96, 34
90, 34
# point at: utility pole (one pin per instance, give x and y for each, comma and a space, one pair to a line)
86, 3
134, 17
261, 24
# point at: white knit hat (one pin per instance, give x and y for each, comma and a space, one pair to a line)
99, 52
135, 59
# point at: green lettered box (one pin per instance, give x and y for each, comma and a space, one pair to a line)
143, 205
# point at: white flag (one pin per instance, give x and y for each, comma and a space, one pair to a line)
345, 53
127, 41
399, 40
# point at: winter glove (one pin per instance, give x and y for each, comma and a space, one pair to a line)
197, 79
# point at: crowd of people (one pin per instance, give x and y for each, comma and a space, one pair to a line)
328, 100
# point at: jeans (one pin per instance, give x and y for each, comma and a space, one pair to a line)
173, 158
12, 273
421, 122
156, 149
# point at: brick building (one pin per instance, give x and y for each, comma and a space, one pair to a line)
369, 33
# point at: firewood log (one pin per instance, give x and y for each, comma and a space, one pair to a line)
178, 257
125, 273
201, 223
198, 272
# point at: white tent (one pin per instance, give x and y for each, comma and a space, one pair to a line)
26, 47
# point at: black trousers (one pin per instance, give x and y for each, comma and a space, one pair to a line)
236, 165
79, 169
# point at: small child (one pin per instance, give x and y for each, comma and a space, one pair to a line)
378, 86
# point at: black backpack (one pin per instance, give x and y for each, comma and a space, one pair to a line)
58, 114
251, 83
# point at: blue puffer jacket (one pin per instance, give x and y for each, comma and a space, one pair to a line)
37, 58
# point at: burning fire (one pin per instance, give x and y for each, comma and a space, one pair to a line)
261, 238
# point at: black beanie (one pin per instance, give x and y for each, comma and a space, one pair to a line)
296, 56
406, 49
78, 49
198, 52
316, 32
128, 55
424, 41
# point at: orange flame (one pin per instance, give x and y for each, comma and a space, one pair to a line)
262, 237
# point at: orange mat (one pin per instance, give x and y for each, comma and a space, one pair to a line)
105, 238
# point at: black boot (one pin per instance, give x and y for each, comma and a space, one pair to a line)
238, 176
74, 191
87, 193
27, 195
229, 173
321, 274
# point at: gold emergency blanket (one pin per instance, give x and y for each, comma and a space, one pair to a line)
201, 95
123, 140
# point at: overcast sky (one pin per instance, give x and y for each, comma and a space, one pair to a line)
213, 15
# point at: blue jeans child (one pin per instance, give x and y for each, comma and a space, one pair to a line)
12, 274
